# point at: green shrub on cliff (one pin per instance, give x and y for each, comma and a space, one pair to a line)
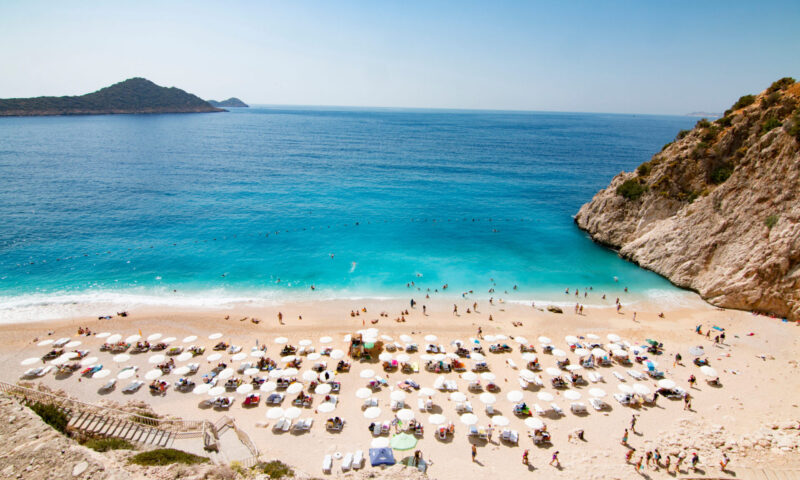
771, 221
631, 189
769, 124
744, 101
166, 456
794, 127
721, 173
644, 169
780, 84
51, 415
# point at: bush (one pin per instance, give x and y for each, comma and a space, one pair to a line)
275, 469
166, 456
724, 121
644, 169
769, 124
721, 173
771, 221
51, 415
794, 128
780, 84
631, 189
710, 134
703, 123
683, 133
771, 99
744, 101
106, 444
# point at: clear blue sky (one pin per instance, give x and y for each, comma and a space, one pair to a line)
592, 56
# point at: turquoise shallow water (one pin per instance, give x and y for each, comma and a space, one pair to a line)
204, 208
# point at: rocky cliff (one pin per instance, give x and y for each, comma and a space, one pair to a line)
717, 210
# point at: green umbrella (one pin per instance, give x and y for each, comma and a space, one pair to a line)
652, 342
403, 441
369, 345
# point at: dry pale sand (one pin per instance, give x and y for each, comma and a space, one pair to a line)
757, 392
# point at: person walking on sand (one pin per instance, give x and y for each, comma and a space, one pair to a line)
525, 457
667, 463
624, 438
687, 402
723, 464
455, 309
692, 380
681, 458
474, 453
280, 318
629, 455
695, 461
633, 423
639, 463
555, 460
678, 359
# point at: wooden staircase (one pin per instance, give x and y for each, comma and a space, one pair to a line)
105, 426
767, 474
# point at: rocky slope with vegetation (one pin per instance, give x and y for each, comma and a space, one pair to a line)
135, 95
718, 209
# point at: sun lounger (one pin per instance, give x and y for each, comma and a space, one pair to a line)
636, 375
510, 436
489, 410
577, 407
421, 405
397, 405
557, 409
539, 410
451, 385
358, 459
538, 381
133, 386
303, 424
618, 375
279, 424
594, 377
623, 398
464, 407
523, 384
598, 404
473, 431
327, 464
347, 461
370, 402
511, 363
287, 424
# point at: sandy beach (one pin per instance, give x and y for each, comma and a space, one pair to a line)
756, 364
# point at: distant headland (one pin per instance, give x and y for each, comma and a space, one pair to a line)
135, 95
232, 102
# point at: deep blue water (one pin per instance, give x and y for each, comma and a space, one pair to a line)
97, 206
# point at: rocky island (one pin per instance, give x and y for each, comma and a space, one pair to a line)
717, 210
135, 95
232, 102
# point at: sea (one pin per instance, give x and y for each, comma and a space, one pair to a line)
271, 204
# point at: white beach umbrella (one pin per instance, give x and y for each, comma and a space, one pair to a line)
406, 338
597, 392
708, 371
405, 414
439, 357
559, 353
697, 351
385, 357
323, 389
44, 343
545, 340
624, 388
426, 357
290, 372
103, 335
613, 346
534, 423
215, 336
251, 371
478, 357
514, 396
426, 392
545, 396
294, 387
88, 361
30, 361
500, 337
387, 338
244, 388
181, 370
214, 357
457, 396
238, 357
489, 338
527, 375
276, 373
379, 442
326, 407
552, 371
372, 412
114, 338
257, 353
592, 336
581, 352
488, 398
201, 389
216, 391
70, 355
641, 389
530, 357
127, 373
102, 373
225, 374
324, 340
488, 376
347, 338
189, 339
121, 358
363, 393
169, 340
403, 357
571, 339
133, 338
314, 356
574, 368
368, 373
157, 358
288, 358
398, 395
153, 374
572, 395
437, 419
431, 338
59, 360
521, 340
613, 337
500, 420
185, 356
666, 383
309, 376
72, 344
619, 353
275, 413
268, 387
281, 340
337, 354
304, 342
599, 352
153, 337
468, 419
